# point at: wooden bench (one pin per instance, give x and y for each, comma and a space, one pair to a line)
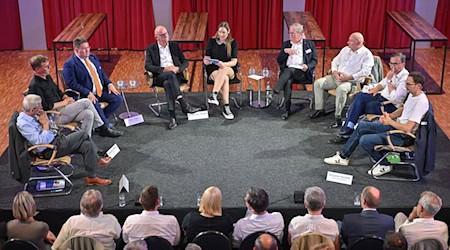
191, 28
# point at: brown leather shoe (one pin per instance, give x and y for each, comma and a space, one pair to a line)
97, 181
104, 161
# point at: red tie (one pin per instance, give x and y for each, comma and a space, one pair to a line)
98, 86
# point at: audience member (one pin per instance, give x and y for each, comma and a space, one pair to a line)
91, 222
257, 201
150, 222
392, 88
24, 226
33, 124
193, 246
322, 246
394, 241
167, 62
208, 217
53, 98
369, 221
136, 245
314, 221
297, 61
353, 62
369, 134
420, 224
265, 242
221, 65
83, 73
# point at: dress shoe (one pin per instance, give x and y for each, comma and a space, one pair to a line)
111, 133
101, 152
336, 123
97, 181
338, 140
317, 114
190, 109
285, 115
346, 131
173, 123
104, 161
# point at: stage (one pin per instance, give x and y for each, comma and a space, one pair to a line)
257, 148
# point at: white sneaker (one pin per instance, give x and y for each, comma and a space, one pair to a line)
213, 100
336, 160
380, 170
227, 113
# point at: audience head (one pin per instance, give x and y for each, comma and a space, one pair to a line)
32, 104
24, 206
370, 197
91, 203
394, 241
265, 242
397, 62
257, 200
161, 35
193, 246
81, 47
40, 65
295, 32
136, 245
314, 199
149, 198
355, 41
430, 203
223, 34
211, 202
414, 83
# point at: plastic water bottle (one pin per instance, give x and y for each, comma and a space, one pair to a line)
357, 199
122, 201
268, 94
250, 93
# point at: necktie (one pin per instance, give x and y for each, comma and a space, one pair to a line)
98, 86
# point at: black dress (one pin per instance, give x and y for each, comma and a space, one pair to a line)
219, 52
194, 223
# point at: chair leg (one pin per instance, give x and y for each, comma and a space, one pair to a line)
157, 104
48, 193
280, 103
394, 178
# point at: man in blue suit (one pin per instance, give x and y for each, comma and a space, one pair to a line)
83, 73
369, 222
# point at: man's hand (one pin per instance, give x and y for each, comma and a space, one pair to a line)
92, 97
304, 67
174, 69
385, 118
414, 214
289, 51
50, 237
373, 91
43, 120
344, 77
112, 88
70, 100
337, 75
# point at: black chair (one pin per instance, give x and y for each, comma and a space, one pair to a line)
249, 242
428, 244
367, 243
157, 243
212, 240
15, 244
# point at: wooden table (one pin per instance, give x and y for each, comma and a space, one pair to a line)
191, 28
83, 25
311, 29
419, 31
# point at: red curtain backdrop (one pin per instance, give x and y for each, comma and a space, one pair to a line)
255, 24
10, 19
442, 21
130, 23
339, 18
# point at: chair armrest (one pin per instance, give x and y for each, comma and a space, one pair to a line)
49, 146
149, 78
393, 132
372, 117
72, 93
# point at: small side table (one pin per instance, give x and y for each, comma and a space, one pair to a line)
131, 84
259, 104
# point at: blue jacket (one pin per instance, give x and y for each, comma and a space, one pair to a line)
425, 143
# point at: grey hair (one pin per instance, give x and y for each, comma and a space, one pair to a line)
136, 245
31, 101
91, 203
430, 202
298, 27
314, 198
401, 55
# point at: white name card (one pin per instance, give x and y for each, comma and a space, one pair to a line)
113, 151
198, 115
339, 178
130, 121
124, 184
256, 77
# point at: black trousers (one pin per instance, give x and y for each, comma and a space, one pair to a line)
287, 77
169, 81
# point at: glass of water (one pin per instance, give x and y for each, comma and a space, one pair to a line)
266, 72
120, 84
357, 200
251, 71
161, 201
199, 199
122, 201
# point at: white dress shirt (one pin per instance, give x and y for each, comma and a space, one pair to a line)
300, 225
165, 56
151, 223
94, 89
296, 60
357, 63
422, 228
399, 83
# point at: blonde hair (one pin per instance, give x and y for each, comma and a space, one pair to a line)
229, 38
24, 206
211, 202
91, 203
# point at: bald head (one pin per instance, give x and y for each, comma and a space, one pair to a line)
265, 242
371, 197
355, 41
161, 35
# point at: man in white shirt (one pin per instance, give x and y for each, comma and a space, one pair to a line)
420, 224
257, 201
353, 62
314, 221
91, 222
150, 222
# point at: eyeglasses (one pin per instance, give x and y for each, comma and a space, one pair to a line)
410, 84
293, 33
394, 63
162, 35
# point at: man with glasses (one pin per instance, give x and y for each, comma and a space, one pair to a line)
392, 88
353, 62
167, 62
369, 134
297, 61
83, 73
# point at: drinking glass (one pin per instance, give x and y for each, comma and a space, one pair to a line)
251, 71
266, 72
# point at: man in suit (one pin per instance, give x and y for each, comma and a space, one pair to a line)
166, 61
369, 221
83, 73
297, 60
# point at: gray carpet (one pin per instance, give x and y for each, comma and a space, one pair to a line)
257, 148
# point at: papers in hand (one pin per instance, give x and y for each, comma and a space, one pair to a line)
213, 61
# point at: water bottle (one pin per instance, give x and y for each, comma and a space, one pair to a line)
122, 201
250, 93
268, 94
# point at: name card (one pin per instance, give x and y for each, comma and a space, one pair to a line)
256, 77
130, 121
198, 115
124, 184
113, 151
339, 178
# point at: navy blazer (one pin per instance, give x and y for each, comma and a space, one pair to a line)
366, 223
153, 60
309, 58
77, 75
